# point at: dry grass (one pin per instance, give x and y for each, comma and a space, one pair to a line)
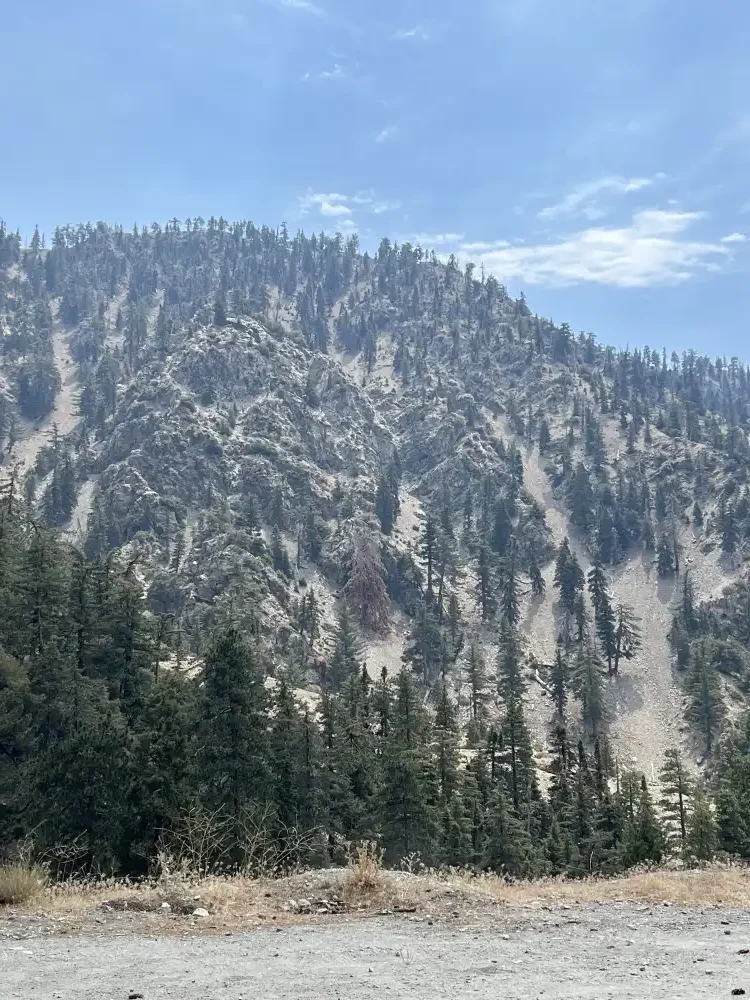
365, 866
712, 886
366, 888
366, 885
20, 883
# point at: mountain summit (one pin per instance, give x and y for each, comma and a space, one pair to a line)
384, 460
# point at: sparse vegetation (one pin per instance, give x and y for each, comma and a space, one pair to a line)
365, 872
246, 542
20, 883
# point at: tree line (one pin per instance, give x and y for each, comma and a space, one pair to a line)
112, 748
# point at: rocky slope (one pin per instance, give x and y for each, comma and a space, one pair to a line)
226, 391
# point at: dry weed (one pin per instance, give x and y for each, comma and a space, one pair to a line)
728, 886
365, 882
366, 866
20, 883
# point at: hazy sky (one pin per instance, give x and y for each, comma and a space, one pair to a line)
595, 154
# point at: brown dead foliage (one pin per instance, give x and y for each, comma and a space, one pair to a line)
366, 889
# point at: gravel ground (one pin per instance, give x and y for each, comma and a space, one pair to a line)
595, 951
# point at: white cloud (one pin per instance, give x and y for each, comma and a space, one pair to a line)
734, 238
342, 206
483, 247
586, 197
379, 207
371, 203
418, 33
327, 204
389, 132
652, 250
435, 239
337, 73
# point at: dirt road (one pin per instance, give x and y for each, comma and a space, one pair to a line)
597, 952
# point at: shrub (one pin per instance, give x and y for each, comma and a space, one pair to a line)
365, 866
20, 883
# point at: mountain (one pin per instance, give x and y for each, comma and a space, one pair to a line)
288, 436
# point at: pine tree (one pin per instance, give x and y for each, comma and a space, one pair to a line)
428, 551
279, 554
468, 516
569, 577
544, 436
702, 833
394, 482
604, 616
220, 311
510, 590
665, 562
424, 647
650, 835
732, 790
456, 832
517, 746
475, 673
705, 704
508, 847
409, 789
587, 684
559, 680
557, 848
538, 583
486, 598
697, 515
511, 682
446, 738
676, 791
164, 759
235, 756
502, 530
314, 535
384, 506
627, 635
347, 650
78, 791
729, 532
581, 498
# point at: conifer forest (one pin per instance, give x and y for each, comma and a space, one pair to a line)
302, 546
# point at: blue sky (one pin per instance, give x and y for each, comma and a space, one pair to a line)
594, 154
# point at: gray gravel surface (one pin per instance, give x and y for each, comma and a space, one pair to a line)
603, 951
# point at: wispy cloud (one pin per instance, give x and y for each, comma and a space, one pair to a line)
483, 247
734, 238
336, 73
334, 205
653, 250
369, 201
586, 199
387, 133
304, 6
435, 239
417, 33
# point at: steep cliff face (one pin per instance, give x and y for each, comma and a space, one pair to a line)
242, 414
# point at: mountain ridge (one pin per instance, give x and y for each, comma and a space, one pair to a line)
292, 397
